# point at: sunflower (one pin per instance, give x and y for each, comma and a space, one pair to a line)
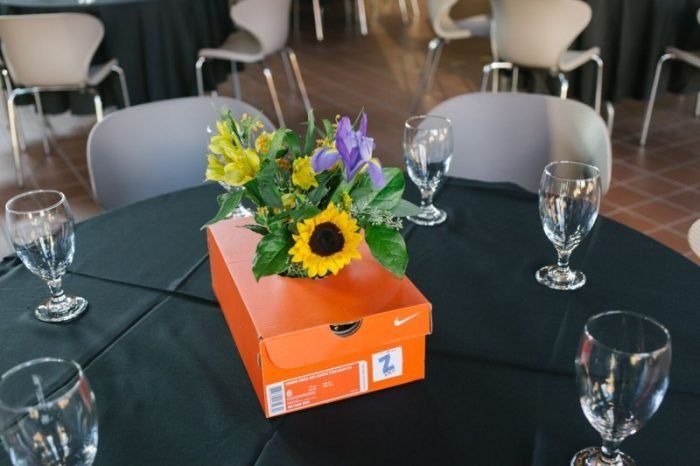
327, 242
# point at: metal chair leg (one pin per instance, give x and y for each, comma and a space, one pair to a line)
362, 17
122, 83
404, 11
288, 70
514, 79
652, 96
415, 9
697, 105
273, 93
300, 81
200, 79
492, 68
235, 81
14, 136
564, 86
318, 20
18, 122
598, 83
431, 63
347, 4
97, 101
42, 120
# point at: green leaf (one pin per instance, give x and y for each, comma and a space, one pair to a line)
292, 140
388, 247
328, 126
405, 208
304, 212
272, 254
276, 144
310, 128
325, 180
267, 184
390, 195
252, 192
259, 229
227, 204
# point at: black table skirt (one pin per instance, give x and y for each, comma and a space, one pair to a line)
632, 35
155, 41
500, 391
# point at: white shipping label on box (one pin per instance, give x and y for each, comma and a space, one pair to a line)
387, 364
317, 388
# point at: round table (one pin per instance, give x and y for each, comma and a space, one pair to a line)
171, 388
155, 41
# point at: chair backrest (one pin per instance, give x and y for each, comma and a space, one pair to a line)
267, 20
535, 33
50, 49
511, 136
439, 12
155, 148
694, 237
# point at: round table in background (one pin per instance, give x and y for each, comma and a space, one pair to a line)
499, 390
155, 41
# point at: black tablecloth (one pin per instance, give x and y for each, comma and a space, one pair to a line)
155, 41
500, 391
632, 35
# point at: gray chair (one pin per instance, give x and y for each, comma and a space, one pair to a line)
48, 53
264, 29
446, 29
537, 34
672, 53
155, 148
512, 136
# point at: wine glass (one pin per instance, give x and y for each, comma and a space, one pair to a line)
48, 415
41, 229
570, 195
427, 147
622, 370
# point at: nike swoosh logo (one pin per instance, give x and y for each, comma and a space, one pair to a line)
399, 322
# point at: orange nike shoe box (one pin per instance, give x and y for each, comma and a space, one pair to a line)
309, 342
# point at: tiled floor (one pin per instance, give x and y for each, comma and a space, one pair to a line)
655, 190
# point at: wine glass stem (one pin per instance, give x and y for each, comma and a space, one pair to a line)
56, 288
563, 259
426, 198
611, 452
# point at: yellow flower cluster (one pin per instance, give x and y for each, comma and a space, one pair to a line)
229, 161
303, 175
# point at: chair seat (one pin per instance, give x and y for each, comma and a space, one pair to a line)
239, 46
98, 73
688, 57
473, 26
572, 59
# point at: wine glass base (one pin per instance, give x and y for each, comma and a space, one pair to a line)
556, 278
429, 216
592, 456
71, 309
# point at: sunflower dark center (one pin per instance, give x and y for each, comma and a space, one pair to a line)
326, 239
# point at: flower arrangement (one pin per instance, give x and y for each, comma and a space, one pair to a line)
313, 197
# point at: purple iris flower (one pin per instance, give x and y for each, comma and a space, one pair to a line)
354, 149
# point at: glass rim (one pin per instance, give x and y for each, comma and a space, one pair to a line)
61, 200
51, 401
409, 122
595, 176
637, 315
